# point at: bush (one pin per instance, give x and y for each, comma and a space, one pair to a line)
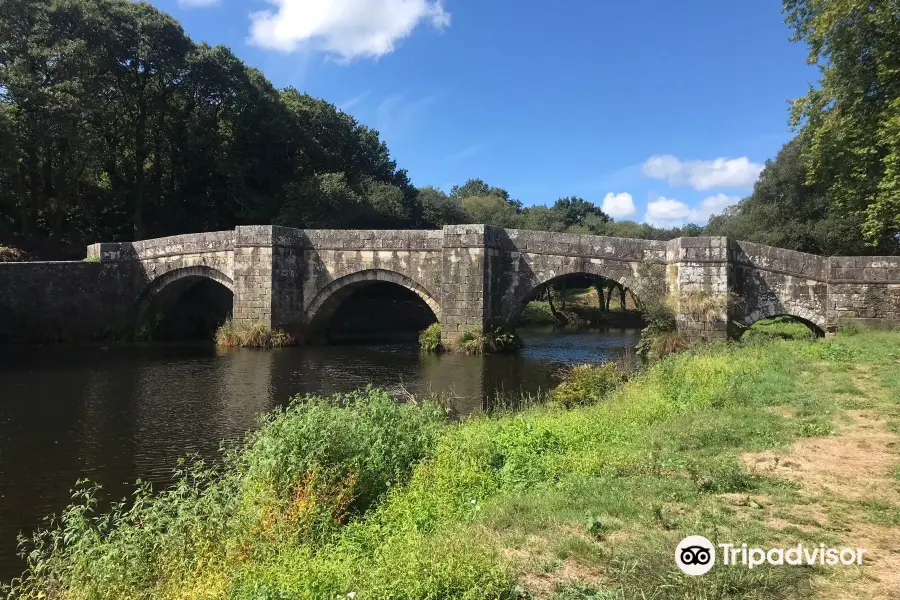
8, 254
289, 490
587, 384
474, 340
231, 335
430, 338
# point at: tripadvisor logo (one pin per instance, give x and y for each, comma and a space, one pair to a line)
696, 555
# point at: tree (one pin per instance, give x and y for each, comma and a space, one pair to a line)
850, 124
439, 209
785, 211
491, 210
573, 211
542, 218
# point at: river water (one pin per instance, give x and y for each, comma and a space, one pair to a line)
121, 412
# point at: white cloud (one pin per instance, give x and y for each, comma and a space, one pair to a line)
346, 28
197, 3
712, 205
666, 210
618, 205
703, 174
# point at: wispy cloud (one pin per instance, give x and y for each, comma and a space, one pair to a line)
395, 115
197, 3
346, 105
466, 152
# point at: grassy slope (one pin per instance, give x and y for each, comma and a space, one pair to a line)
581, 503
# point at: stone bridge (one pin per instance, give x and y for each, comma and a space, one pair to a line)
469, 275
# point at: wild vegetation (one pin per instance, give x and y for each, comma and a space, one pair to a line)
488, 340
257, 335
430, 338
115, 125
359, 495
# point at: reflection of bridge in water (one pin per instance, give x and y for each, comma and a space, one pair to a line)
467, 275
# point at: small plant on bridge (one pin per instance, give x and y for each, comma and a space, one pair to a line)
430, 338
232, 335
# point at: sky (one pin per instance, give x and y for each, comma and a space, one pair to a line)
659, 111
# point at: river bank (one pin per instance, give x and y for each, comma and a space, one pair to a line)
376, 500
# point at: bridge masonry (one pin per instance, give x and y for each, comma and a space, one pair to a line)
469, 275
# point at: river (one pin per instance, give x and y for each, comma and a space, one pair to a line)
121, 412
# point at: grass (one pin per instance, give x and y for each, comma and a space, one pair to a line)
233, 335
581, 309
359, 496
10, 254
430, 338
778, 328
475, 340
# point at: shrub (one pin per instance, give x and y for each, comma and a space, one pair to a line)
8, 254
587, 384
474, 340
430, 338
231, 335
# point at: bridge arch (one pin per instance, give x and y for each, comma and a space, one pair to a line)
527, 290
169, 286
326, 301
814, 322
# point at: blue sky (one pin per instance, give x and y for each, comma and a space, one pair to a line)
661, 111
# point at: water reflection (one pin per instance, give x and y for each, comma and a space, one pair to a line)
117, 413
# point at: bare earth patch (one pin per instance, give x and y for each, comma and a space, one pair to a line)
839, 473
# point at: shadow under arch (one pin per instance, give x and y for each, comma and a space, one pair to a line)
327, 301
815, 329
162, 292
539, 284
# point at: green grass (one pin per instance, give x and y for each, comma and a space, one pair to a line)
233, 335
359, 494
474, 340
778, 328
430, 338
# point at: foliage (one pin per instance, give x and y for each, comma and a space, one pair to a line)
785, 328
233, 335
8, 254
850, 123
361, 494
785, 211
475, 340
587, 384
430, 338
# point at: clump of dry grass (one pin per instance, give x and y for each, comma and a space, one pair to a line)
258, 335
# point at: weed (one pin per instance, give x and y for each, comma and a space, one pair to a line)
233, 335
430, 338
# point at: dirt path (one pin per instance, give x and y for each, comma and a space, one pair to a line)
849, 487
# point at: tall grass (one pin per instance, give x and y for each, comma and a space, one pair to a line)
360, 495
430, 338
232, 335
475, 340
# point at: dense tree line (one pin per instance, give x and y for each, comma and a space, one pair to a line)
115, 125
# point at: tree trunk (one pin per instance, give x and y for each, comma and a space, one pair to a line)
609, 295
622, 297
564, 291
560, 319
599, 287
